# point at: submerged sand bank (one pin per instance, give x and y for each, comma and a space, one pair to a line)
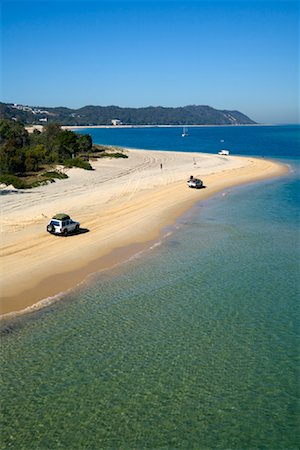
121, 205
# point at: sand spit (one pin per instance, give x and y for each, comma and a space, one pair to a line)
121, 205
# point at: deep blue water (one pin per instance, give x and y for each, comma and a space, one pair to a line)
275, 141
193, 344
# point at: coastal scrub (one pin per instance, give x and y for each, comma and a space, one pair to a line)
30, 159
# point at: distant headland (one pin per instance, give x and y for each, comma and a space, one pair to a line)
115, 115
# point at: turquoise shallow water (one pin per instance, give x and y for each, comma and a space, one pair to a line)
193, 344
190, 345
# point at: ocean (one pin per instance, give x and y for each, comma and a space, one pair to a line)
275, 141
191, 344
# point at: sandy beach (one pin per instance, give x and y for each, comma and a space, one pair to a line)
122, 206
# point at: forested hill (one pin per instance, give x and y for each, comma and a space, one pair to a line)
103, 115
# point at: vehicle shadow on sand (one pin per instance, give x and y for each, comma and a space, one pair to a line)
74, 233
198, 188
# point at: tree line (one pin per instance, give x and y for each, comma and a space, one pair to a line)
151, 115
22, 152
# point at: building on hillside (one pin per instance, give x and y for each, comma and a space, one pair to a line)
116, 122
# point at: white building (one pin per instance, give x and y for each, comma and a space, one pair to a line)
116, 122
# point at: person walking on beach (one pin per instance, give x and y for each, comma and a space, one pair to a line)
161, 165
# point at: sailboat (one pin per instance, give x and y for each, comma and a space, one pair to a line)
185, 132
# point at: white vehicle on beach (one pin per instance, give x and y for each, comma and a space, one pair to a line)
195, 183
224, 152
62, 224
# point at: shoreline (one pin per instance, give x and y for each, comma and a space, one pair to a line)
125, 205
74, 127
30, 128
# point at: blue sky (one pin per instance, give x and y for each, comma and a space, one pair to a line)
241, 54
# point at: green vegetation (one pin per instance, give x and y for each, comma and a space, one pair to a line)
54, 174
29, 160
111, 155
78, 162
17, 182
29, 181
103, 115
107, 151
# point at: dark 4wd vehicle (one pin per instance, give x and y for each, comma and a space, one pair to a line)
195, 183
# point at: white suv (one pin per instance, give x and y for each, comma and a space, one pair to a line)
62, 224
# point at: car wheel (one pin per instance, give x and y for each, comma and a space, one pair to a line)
65, 232
77, 228
50, 228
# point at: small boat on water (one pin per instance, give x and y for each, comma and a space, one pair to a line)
185, 132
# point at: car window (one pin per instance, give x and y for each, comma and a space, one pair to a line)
54, 222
